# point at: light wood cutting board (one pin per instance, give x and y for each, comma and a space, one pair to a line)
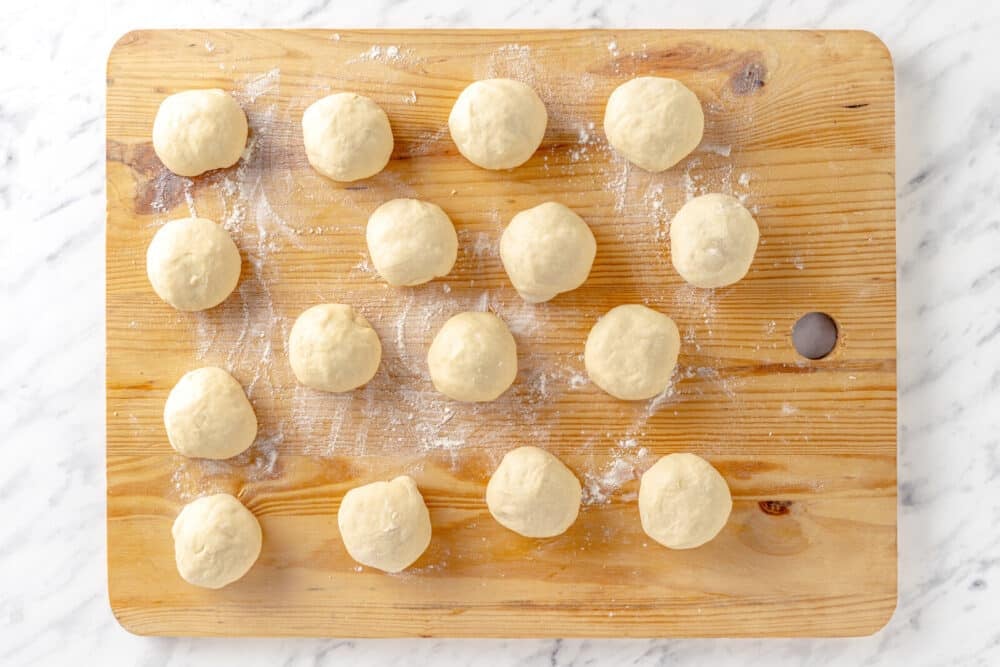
799, 124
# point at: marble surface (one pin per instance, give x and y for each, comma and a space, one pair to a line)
53, 605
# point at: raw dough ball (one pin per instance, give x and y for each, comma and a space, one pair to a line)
631, 352
473, 357
385, 525
193, 264
713, 239
199, 130
208, 416
411, 241
533, 493
547, 250
497, 123
333, 348
683, 501
216, 541
653, 121
347, 137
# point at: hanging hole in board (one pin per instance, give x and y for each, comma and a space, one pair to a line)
814, 335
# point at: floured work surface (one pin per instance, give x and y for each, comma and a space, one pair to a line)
798, 124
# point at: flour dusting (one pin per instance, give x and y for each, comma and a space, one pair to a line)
626, 464
255, 86
386, 54
241, 334
399, 414
719, 149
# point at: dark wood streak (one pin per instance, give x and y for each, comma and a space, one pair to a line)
154, 183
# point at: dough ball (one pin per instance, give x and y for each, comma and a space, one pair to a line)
497, 123
411, 241
547, 250
216, 541
533, 493
332, 347
632, 351
193, 264
208, 416
653, 121
385, 525
473, 357
713, 239
683, 501
347, 137
199, 130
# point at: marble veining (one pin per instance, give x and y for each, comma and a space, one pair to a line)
54, 608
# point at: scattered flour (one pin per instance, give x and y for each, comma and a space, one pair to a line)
604, 483
255, 86
383, 54
364, 266
189, 198
723, 150
399, 413
599, 486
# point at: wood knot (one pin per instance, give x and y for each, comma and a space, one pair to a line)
748, 78
775, 507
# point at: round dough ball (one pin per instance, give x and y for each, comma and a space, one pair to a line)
683, 501
347, 137
653, 121
547, 250
411, 241
193, 264
385, 525
533, 493
199, 130
713, 239
497, 123
332, 347
632, 351
216, 541
473, 357
208, 416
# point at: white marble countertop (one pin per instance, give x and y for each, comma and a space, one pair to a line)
53, 605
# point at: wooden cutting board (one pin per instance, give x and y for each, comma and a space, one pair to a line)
798, 124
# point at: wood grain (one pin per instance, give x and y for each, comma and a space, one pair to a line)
800, 123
